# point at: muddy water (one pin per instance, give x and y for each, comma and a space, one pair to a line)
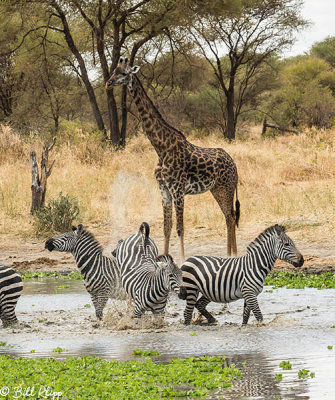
297, 328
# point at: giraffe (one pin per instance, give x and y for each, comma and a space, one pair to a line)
183, 168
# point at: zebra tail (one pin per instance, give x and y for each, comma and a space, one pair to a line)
145, 231
237, 210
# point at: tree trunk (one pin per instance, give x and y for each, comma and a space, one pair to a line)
113, 118
39, 181
83, 70
230, 130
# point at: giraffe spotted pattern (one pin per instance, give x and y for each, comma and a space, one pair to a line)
183, 168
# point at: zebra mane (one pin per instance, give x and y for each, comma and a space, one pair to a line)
263, 236
88, 235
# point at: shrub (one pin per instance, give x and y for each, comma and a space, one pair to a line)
57, 216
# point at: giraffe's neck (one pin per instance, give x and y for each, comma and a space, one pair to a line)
161, 135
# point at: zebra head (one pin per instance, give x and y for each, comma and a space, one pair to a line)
66, 241
285, 248
174, 275
122, 74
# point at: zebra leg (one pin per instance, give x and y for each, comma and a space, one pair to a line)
201, 305
252, 304
99, 302
246, 313
139, 309
8, 316
190, 303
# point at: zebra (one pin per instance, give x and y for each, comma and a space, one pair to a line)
229, 279
11, 287
145, 276
101, 274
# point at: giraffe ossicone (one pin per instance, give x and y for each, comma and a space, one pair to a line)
183, 168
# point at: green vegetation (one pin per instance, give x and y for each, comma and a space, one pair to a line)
57, 216
193, 334
90, 377
285, 365
330, 347
312, 375
303, 373
146, 353
2, 344
292, 280
74, 275
59, 350
279, 377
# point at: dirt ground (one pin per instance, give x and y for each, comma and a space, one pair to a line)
30, 255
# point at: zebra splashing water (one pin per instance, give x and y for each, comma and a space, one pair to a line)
100, 273
225, 280
146, 277
10, 291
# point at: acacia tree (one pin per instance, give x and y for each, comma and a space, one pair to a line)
112, 26
237, 41
95, 33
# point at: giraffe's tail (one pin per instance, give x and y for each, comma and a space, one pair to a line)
237, 210
145, 231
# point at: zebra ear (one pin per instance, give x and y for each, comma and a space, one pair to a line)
80, 229
279, 229
74, 228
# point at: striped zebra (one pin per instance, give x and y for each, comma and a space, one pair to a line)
10, 291
224, 280
100, 273
146, 277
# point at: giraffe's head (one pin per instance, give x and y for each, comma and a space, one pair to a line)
122, 74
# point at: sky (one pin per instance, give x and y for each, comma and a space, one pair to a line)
321, 13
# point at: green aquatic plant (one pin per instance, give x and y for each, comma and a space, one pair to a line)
87, 305
58, 350
193, 334
279, 377
298, 280
87, 378
312, 374
63, 286
138, 352
303, 373
285, 365
2, 344
73, 275
330, 347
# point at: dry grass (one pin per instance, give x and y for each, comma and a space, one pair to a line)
288, 179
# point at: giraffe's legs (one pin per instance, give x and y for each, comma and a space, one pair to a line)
167, 208
179, 206
226, 203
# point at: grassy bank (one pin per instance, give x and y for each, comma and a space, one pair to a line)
276, 279
90, 377
288, 179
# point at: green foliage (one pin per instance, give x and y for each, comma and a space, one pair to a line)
2, 344
303, 373
285, 365
59, 350
279, 377
57, 216
74, 275
146, 353
325, 50
330, 347
305, 95
92, 378
292, 280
